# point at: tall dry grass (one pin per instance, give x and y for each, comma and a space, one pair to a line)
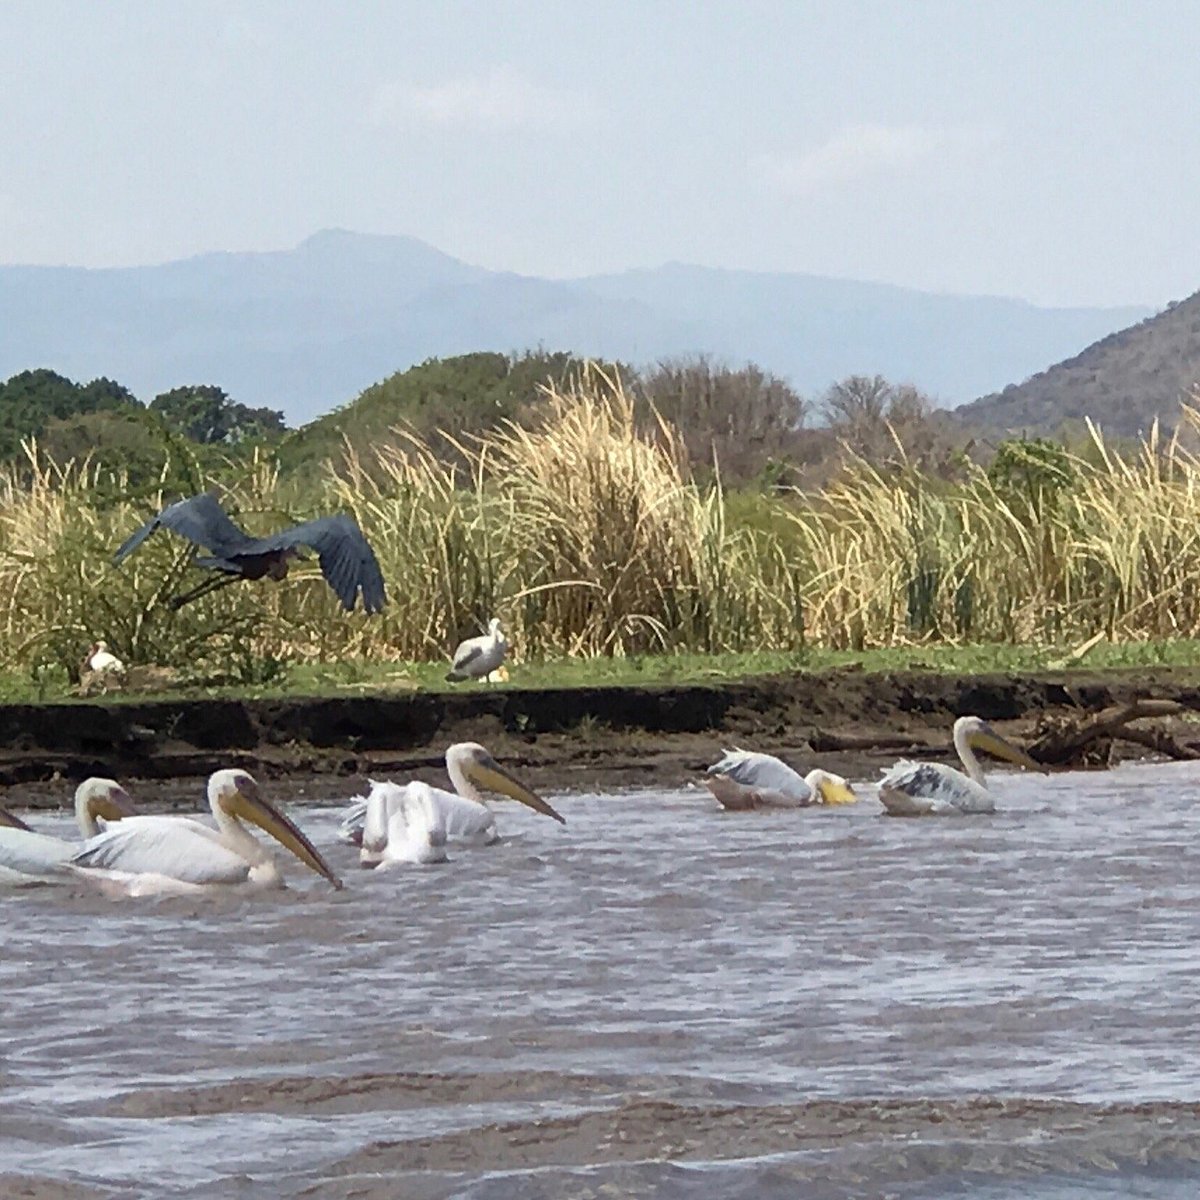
588, 536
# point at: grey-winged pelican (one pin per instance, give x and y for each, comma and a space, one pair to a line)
148, 855
912, 789
744, 779
29, 857
467, 818
478, 657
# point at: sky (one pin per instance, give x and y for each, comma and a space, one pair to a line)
1042, 149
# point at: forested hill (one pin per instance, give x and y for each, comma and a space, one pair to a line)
1122, 382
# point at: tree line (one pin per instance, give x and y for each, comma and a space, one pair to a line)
744, 423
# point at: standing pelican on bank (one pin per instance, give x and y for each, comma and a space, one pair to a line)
147, 855
478, 657
911, 789
467, 818
28, 857
744, 779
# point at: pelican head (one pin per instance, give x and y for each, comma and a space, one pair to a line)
828, 788
235, 794
494, 627
101, 798
477, 766
976, 733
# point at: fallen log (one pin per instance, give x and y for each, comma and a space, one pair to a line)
1090, 743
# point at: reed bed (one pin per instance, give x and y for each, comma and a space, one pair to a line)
588, 536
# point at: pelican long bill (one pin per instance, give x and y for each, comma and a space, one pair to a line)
489, 774
988, 740
251, 806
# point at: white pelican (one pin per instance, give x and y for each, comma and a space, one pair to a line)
102, 661
403, 824
28, 857
743, 779
911, 789
466, 817
146, 855
478, 657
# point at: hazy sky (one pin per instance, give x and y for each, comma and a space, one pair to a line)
1045, 149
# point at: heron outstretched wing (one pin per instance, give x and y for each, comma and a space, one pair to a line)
200, 519
347, 560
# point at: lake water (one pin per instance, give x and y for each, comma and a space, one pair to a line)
659, 999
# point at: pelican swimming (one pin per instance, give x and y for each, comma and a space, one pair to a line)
403, 824
468, 820
147, 855
28, 857
744, 779
478, 657
911, 789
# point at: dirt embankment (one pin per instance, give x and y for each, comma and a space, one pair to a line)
583, 738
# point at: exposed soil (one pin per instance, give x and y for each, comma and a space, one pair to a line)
562, 739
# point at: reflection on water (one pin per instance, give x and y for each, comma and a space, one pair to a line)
727, 966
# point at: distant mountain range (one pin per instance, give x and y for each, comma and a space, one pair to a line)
305, 330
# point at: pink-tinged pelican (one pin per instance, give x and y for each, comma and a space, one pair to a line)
911, 789
29, 857
403, 824
467, 819
154, 854
744, 779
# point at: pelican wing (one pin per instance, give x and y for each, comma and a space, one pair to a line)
930, 789
175, 847
764, 774
29, 857
468, 652
350, 830
465, 820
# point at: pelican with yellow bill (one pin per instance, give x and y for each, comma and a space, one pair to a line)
911, 789
463, 814
156, 854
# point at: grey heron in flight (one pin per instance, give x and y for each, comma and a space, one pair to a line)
347, 561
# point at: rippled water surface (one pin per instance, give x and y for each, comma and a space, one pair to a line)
660, 999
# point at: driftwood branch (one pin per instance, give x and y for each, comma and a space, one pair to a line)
1064, 740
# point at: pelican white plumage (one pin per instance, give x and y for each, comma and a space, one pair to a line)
102, 660
478, 657
155, 854
29, 857
467, 818
745, 779
403, 824
912, 789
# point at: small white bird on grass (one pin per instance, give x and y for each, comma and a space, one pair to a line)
102, 661
478, 657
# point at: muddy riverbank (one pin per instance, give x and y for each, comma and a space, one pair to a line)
565, 739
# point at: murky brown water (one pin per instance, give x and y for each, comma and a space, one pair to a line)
658, 1000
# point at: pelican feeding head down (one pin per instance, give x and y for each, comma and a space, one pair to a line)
911, 789
466, 817
478, 657
744, 779
403, 824
27, 856
144, 855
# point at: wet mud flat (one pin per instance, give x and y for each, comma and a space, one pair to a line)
573, 739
